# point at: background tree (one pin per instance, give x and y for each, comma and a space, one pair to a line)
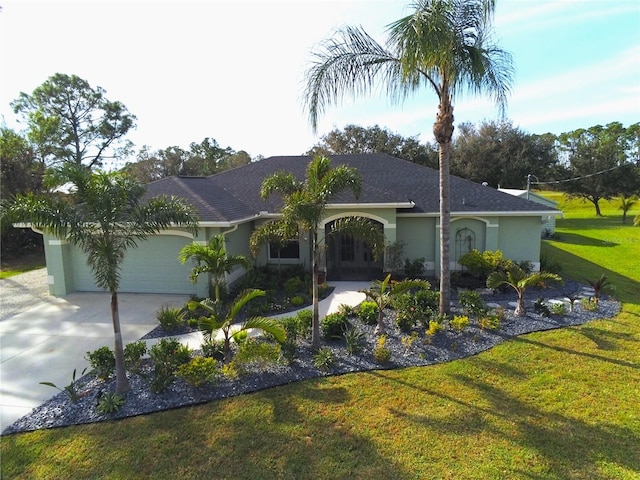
601, 163
106, 216
500, 154
69, 121
355, 139
21, 172
445, 45
304, 207
212, 259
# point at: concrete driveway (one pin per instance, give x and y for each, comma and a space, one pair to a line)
46, 342
44, 338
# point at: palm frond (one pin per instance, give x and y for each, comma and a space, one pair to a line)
268, 325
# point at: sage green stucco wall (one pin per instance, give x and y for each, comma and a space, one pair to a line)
520, 239
419, 236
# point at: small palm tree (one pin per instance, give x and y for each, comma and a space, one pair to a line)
382, 292
104, 217
213, 259
626, 204
304, 207
520, 280
598, 285
221, 319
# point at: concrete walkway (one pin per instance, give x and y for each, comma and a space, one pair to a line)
47, 342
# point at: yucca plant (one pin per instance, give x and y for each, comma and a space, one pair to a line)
520, 280
221, 319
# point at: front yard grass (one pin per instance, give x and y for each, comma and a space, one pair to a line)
551, 405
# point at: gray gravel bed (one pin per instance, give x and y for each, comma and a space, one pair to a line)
445, 346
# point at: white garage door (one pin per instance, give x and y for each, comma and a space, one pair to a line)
153, 267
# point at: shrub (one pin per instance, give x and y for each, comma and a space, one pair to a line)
133, 353
589, 305
109, 402
292, 286
483, 264
296, 301
381, 354
490, 321
472, 303
167, 355
412, 308
415, 268
541, 308
435, 326
333, 325
102, 362
305, 318
257, 353
346, 310
324, 359
198, 371
459, 322
232, 370
558, 309
368, 312
170, 318
409, 340
354, 340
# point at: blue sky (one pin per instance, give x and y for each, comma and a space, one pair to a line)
233, 71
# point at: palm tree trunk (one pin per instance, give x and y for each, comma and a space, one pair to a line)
380, 329
122, 384
443, 131
520, 310
315, 335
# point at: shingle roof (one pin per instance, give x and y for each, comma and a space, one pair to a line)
234, 195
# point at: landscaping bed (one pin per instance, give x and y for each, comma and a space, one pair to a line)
417, 348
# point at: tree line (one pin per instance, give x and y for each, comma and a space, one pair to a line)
67, 121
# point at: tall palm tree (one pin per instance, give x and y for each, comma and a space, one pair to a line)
213, 259
445, 45
520, 280
304, 207
105, 217
382, 292
223, 320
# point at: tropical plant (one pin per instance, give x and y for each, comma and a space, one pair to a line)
445, 45
105, 216
133, 353
382, 293
324, 358
626, 204
71, 389
109, 402
381, 353
519, 280
354, 340
598, 285
304, 207
102, 362
198, 371
212, 259
333, 326
170, 318
472, 303
222, 319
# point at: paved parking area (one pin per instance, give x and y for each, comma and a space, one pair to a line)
46, 342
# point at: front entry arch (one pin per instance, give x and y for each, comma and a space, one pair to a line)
349, 258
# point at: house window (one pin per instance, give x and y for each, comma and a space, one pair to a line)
290, 250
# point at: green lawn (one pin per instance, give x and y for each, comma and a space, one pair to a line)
554, 405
